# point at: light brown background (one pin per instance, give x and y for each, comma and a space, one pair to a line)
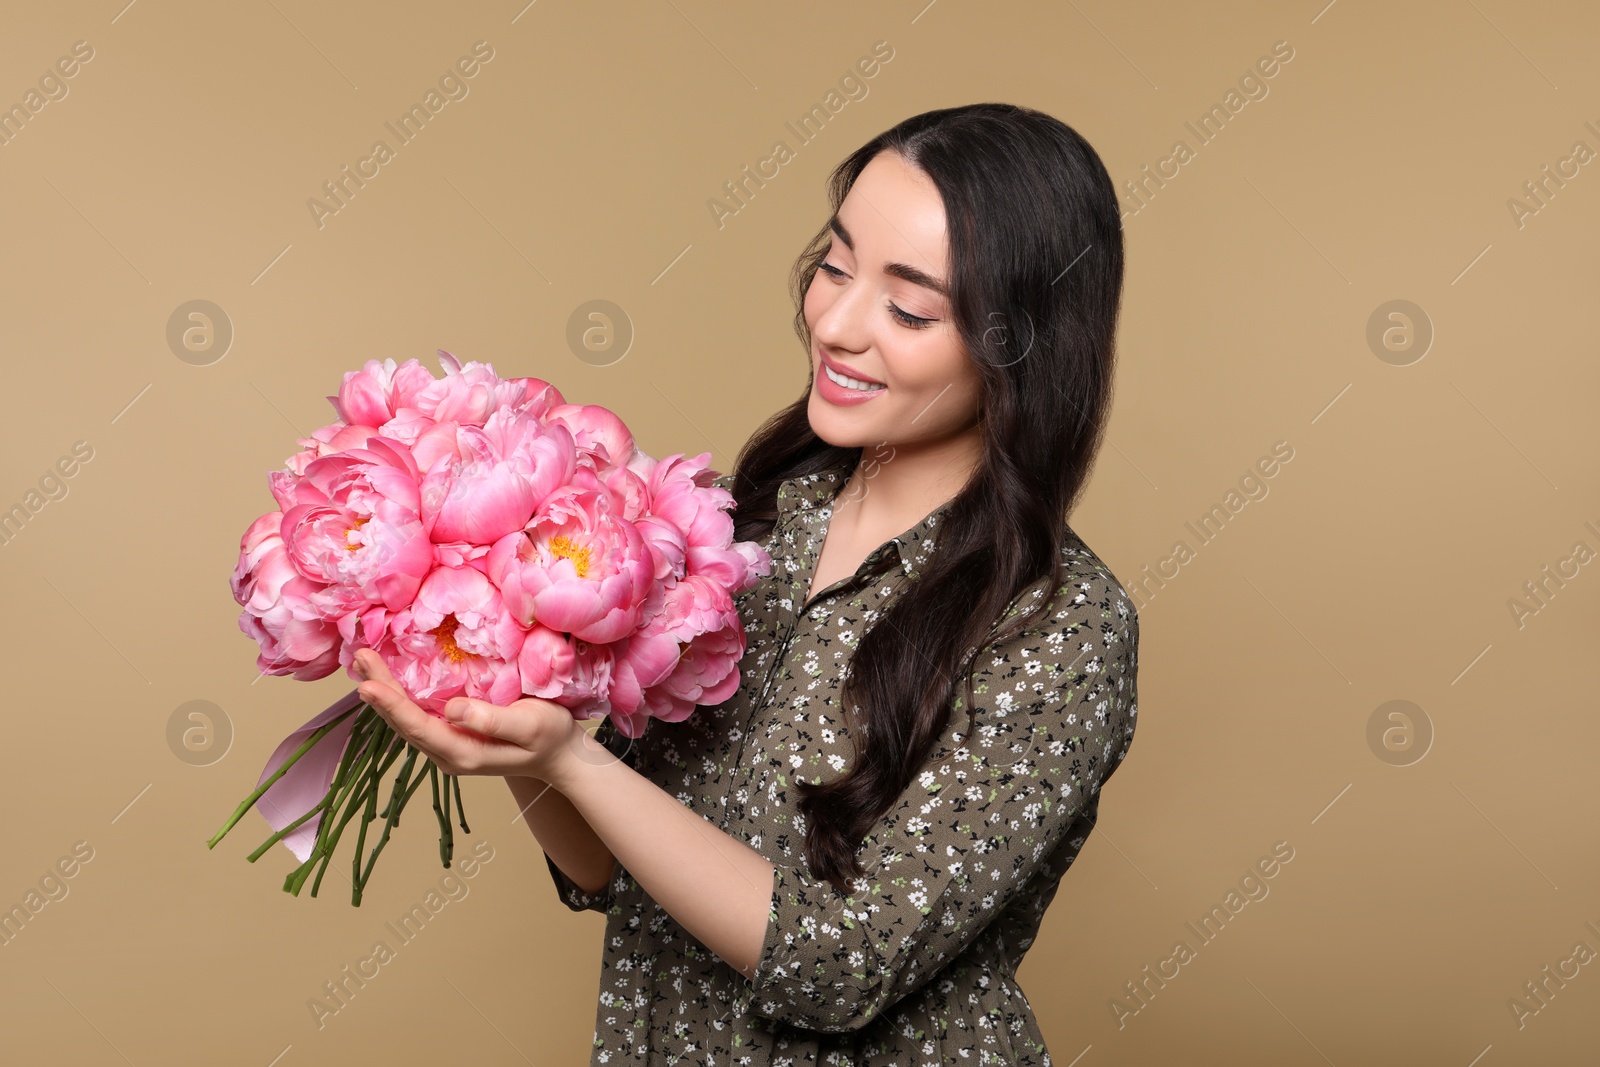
1419, 500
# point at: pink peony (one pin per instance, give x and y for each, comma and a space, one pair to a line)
577, 568
455, 639
489, 539
573, 673
373, 395
601, 437
686, 655
293, 638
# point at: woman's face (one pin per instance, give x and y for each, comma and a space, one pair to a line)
877, 312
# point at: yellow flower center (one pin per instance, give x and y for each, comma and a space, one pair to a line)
565, 548
445, 632
360, 522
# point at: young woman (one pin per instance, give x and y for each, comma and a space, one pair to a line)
846, 861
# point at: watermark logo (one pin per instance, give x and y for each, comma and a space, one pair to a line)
1399, 733
199, 332
1399, 332
199, 733
599, 332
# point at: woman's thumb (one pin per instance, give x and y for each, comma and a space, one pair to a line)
508, 724
473, 714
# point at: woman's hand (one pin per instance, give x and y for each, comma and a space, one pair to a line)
526, 738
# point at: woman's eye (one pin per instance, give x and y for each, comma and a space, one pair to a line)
915, 321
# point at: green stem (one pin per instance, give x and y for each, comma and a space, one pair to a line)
354, 793
461, 811
370, 751
261, 789
449, 840
370, 813
397, 800
348, 777
416, 784
367, 774
401, 781
355, 758
356, 798
279, 835
438, 812
336, 789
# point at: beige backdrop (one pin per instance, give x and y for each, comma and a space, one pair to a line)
1440, 466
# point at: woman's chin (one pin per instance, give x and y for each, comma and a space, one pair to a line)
836, 426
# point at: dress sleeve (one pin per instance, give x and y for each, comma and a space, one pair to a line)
573, 895
1056, 714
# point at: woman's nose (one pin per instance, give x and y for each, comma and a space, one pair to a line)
843, 323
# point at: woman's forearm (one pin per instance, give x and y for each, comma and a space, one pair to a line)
563, 833
718, 888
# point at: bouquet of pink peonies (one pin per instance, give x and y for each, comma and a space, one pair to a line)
488, 540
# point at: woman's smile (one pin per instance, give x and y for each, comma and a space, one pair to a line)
837, 385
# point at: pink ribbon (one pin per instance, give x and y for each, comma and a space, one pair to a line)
305, 783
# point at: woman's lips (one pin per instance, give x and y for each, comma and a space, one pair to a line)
840, 395
840, 368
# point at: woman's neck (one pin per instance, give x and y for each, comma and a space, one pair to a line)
892, 487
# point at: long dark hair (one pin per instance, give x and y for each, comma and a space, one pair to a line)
1035, 288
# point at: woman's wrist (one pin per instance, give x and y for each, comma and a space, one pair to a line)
557, 766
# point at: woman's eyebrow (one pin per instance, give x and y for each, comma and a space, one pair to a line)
899, 270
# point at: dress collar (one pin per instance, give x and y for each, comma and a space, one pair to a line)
809, 498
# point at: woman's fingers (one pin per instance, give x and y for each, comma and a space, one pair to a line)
409, 721
389, 697
370, 665
526, 722
474, 736
456, 750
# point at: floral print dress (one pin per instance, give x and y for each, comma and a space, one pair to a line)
918, 964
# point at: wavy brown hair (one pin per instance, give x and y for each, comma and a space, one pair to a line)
1035, 286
